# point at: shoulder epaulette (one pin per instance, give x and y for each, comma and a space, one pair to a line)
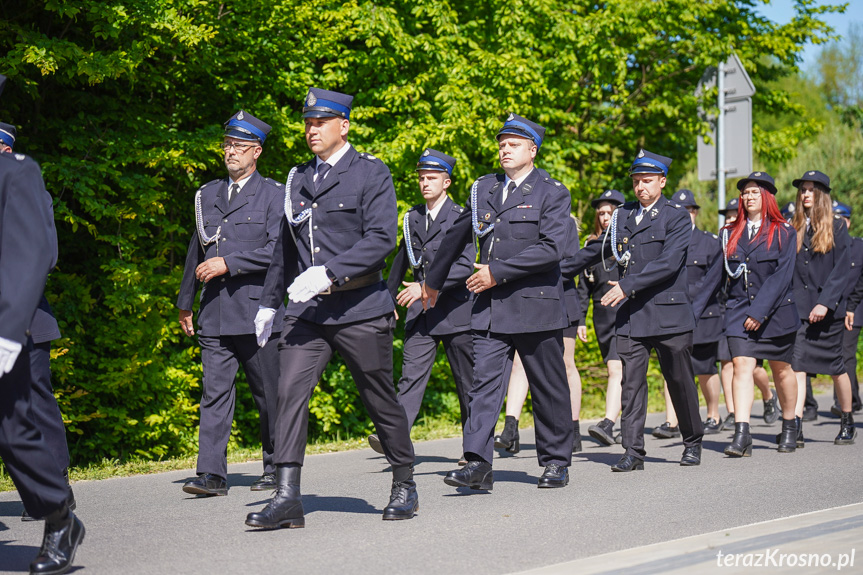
457, 208
715, 237
273, 182
367, 156
551, 180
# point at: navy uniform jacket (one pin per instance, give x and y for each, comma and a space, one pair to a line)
854, 287
822, 278
574, 309
354, 223
28, 244
768, 297
250, 230
655, 279
705, 253
523, 253
593, 284
451, 313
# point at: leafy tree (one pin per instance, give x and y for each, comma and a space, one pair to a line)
122, 104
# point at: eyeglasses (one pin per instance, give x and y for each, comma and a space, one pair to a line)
240, 148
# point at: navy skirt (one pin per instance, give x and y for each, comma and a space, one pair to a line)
819, 347
770, 348
704, 357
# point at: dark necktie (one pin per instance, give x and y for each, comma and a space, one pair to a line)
235, 189
508, 191
429, 221
323, 168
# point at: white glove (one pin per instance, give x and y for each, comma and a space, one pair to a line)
9, 351
309, 284
264, 324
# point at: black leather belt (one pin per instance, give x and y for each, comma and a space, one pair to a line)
356, 283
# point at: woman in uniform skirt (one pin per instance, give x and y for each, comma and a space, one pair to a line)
592, 285
761, 320
726, 370
820, 275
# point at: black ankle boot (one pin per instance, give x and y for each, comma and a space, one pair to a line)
741, 443
847, 432
404, 502
788, 437
508, 439
286, 507
63, 533
576, 437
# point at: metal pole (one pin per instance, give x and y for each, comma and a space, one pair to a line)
720, 142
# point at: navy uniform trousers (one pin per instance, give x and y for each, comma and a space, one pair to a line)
350, 230
420, 351
28, 247
221, 357
524, 312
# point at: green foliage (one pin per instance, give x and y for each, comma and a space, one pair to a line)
122, 105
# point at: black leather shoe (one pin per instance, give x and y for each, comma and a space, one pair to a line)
285, 509
788, 438
70, 500
476, 475
404, 502
508, 438
603, 432
375, 444
628, 463
728, 424
847, 433
810, 414
554, 476
741, 444
711, 426
666, 431
267, 482
771, 410
691, 456
63, 533
207, 484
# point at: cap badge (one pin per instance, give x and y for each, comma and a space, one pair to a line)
835, 203
311, 100
811, 173
511, 118
757, 174
240, 115
682, 196
641, 153
426, 153
608, 193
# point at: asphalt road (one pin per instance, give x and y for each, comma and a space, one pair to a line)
146, 524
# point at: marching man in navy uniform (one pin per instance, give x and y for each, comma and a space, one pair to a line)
854, 313
237, 227
28, 248
43, 330
521, 219
449, 321
650, 238
340, 225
